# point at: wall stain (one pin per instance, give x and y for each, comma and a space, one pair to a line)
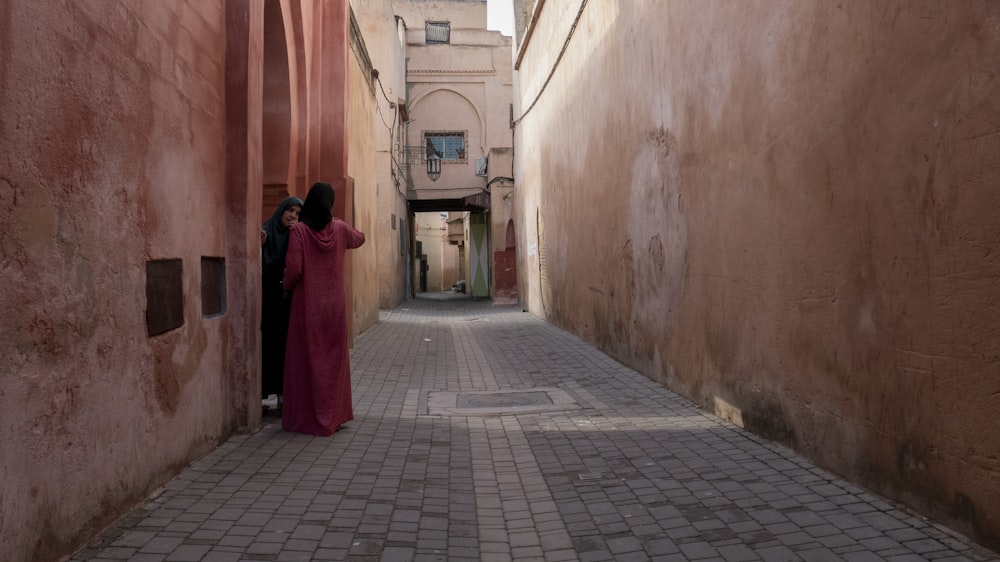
655, 251
766, 416
993, 9
911, 461
964, 510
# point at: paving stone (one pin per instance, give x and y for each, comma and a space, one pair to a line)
221, 556
736, 553
161, 545
188, 553
117, 553
633, 472
698, 550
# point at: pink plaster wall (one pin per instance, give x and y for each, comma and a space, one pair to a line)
243, 166
278, 128
134, 132
113, 124
794, 205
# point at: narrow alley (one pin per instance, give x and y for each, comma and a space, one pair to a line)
483, 433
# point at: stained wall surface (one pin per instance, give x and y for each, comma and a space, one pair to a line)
112, 120
362, 167
133, 133
384, 39
793, 208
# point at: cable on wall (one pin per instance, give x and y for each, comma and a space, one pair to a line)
398, 170
555, 65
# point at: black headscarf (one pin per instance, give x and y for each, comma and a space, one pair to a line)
317, 211
276, 245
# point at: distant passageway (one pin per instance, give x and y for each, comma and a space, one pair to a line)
483, 433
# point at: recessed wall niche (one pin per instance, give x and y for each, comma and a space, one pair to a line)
164, 296
213, 286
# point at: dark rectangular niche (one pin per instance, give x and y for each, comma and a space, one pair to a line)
213, 286
164, 296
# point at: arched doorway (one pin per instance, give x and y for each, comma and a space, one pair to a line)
505, 268
276, 122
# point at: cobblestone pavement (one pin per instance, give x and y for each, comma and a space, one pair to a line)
482, 433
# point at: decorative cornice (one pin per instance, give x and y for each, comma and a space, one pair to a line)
450, 71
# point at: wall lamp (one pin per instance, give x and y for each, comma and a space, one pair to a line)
433, 167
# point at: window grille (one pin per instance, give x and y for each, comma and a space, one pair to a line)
437, 32
449, 145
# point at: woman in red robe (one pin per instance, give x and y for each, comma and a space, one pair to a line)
317, 361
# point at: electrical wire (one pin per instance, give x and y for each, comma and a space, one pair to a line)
398, 170
555, 64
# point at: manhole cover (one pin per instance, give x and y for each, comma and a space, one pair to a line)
502, 400
499, 402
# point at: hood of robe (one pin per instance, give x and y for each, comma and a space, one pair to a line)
326, 239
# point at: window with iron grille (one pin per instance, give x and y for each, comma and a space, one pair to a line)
449, 145
437, 32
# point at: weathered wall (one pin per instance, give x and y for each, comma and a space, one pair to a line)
361, 165
384, 39
793, 205
112, 120
133, 133
462, 14
500, 178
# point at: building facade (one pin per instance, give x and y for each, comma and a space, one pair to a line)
784, 211
459, 83
385, 36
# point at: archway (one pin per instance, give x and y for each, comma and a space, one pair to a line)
505, 267
276, 122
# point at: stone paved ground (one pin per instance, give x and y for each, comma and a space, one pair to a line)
595, 463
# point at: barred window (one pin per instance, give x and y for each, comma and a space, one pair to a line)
449, 145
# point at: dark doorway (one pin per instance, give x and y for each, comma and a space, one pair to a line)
422, 283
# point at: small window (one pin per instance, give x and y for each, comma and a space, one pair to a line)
437, 32
449, 145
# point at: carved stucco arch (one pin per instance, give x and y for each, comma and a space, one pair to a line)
479, 114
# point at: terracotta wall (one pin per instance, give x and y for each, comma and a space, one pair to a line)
112, 122
133, 133
794, 208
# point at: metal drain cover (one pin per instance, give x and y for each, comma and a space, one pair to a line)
502, 400
498, 402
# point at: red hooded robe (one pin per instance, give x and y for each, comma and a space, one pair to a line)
317, 360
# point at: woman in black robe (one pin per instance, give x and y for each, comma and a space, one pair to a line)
275, 304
